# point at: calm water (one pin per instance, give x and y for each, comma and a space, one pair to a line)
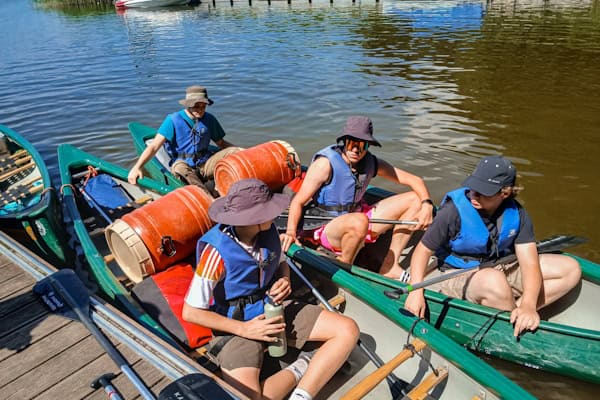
445, 83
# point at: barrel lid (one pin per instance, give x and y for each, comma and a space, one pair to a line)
129, 250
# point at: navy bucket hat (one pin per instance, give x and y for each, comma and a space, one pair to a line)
359, 127
248, 202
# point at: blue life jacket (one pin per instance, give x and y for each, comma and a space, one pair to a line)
190, 143
345, 190
469, 248
241, 293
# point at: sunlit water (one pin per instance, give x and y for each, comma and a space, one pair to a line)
445, 83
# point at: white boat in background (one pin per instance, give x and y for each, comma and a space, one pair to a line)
149, 3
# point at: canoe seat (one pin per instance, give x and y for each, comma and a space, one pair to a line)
420, 391
368, 383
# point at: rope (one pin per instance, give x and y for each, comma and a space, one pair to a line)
408, 345
472, 338
91, 173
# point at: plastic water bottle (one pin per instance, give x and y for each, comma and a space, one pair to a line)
279, 348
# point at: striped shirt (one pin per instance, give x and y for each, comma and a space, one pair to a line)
209, 271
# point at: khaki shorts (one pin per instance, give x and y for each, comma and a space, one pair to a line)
457, 287
198, 175
239, 352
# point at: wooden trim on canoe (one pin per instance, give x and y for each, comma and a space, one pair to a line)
15, 164
336, 300
16, 171
420, 391
367, 384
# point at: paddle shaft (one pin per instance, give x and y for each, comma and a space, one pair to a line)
545, 246
83, 313
391, 378
372, 220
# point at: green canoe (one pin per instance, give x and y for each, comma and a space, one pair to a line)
89, 226
460, 374
158, 166
566, 343
388, 328
29, 207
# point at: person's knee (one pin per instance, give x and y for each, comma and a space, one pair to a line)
348, 329
489, 284
572, 271
358, 225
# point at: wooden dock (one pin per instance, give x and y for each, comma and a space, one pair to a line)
46, 356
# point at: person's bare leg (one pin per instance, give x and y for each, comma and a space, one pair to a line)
399, 207
347, 232
490, 288
340, 335
560, 274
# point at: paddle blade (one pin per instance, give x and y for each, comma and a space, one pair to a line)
559, 243
194, 387
51, 290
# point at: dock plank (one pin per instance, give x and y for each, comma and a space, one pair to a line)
44, 350
29, 334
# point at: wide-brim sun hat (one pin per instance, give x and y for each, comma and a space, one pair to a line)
359, 127
248, 202
195, 94
491, 174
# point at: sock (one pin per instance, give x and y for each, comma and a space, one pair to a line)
300, 394
299, 367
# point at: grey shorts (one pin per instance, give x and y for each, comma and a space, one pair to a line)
239, 352
457, 287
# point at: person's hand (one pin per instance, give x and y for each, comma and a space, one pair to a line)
424, 217
415, 303
524, 319
287, 239
260, 328
134, 175
280, 290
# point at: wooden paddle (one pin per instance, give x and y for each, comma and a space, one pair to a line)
549, 245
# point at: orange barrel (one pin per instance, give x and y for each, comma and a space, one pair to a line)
159, 234
276, 163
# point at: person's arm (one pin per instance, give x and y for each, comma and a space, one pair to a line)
150, 151
223, 144
525, 316
425, 214
415, 302
316, 175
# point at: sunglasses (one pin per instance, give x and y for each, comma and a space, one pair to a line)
351, 143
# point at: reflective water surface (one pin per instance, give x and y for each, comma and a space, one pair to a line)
445, 83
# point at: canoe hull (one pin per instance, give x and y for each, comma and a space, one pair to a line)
386, 327
553, 347
38, 225
73, 161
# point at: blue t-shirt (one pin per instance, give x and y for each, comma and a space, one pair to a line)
217, 133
